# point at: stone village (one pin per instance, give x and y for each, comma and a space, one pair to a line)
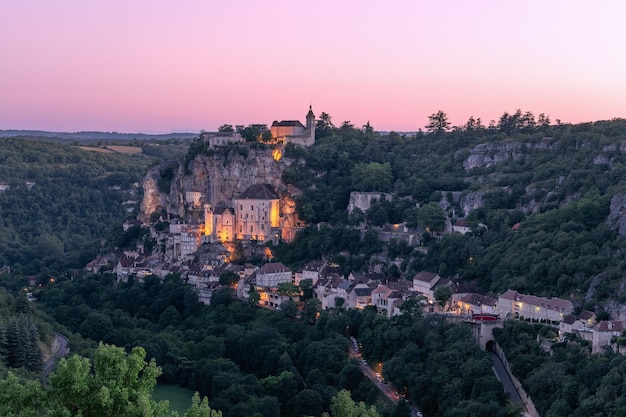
259, 214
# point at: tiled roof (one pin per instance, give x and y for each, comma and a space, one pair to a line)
569, 319
381, 289
330, 270
287, 123
425, 276
272, 268
395, 294
609, 326
478, 300
260, 192
363, 292
586, 315
344, 285
400, 285
314, 266
461, 223
377, 276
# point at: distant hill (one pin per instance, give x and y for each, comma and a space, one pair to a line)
83, 136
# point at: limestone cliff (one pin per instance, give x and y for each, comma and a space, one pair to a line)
617, 216
223, 174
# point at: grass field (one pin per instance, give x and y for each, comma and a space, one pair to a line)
179, 398
125, 149
95, 149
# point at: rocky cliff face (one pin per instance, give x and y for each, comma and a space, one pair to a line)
219, 177
617, 215
489, 154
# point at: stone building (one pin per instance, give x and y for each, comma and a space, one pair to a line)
292, 131
255, 215
513, 304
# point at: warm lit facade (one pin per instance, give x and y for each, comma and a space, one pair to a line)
292, 131
255, 215
219, 223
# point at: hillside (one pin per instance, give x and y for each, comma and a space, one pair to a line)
57, 202
544, 202
563, 184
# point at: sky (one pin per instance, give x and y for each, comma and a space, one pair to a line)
158, 66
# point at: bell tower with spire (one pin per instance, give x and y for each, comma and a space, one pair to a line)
310, 125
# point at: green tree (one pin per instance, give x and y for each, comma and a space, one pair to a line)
308, 402
200, 408
252, 133
229, 278
438, 122
312, 307
324, 126
288, 288
431, 216
306, 286
253, 295
225, 128
412, 307
22, 399
342, 405
118, 384
372, 176
289, 308
442, 294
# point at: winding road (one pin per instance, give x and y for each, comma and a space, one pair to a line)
62, 349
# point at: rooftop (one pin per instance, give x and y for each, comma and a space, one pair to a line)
259, 192
425, 276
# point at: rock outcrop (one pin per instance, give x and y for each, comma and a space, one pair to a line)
617, 215
488, 154
219, 177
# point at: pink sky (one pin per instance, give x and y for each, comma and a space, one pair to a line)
162, 66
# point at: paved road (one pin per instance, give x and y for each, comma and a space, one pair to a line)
504, 378
61, 351
386, 388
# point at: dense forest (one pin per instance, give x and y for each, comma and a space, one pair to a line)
60, 202
565, 381
251, 361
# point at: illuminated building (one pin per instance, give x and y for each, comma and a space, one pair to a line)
255, 216
292, 131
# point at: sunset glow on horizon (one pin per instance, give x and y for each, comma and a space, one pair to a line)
158, 67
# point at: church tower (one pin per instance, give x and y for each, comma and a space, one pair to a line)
310, 125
